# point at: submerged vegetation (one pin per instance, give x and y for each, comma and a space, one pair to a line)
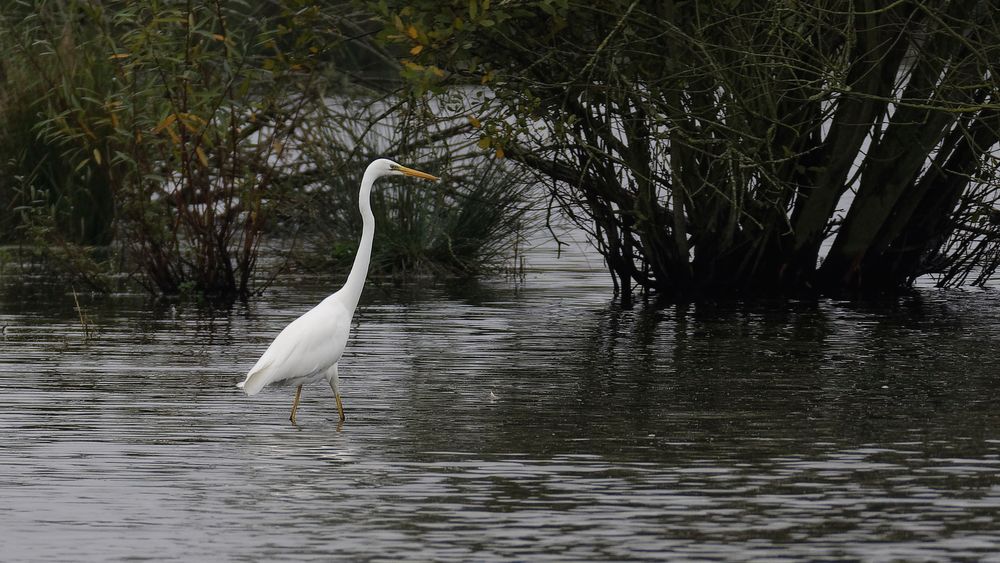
181, 134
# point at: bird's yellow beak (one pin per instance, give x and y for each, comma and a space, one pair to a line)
417, 173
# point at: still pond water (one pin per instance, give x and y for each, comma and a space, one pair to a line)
530, 421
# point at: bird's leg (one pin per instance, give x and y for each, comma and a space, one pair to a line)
340, 406
295, 404
333, 376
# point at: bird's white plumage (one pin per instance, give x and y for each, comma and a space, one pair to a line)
309, 348
305, 349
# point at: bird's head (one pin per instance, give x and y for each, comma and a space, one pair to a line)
386, 167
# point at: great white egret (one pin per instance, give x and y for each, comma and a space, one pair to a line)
308, 349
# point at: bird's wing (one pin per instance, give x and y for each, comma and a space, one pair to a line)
308, 345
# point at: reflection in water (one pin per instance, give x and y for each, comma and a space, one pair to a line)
498, 422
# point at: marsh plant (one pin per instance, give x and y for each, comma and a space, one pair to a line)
44, 196
182, 112
183, 133
714, 148
471, 222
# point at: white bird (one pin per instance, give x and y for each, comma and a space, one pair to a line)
308, 349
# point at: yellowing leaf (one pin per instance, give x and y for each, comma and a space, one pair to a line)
397, 22
188, 120
412, 32
167, 121
192, 117
201, 156
416, 50
484, 143
79, 120
218, 37
97, 156
499, 153
473, 121
119, 56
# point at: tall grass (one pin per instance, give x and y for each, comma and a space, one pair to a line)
46, 196
470, 223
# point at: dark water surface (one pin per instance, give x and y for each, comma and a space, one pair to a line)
534, 421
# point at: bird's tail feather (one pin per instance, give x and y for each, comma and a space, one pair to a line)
255, 381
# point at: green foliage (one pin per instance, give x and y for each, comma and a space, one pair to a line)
183, 112
468, 224
183, 133
709, 145
36, 178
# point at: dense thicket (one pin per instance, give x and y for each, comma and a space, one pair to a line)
718, 147
178, 134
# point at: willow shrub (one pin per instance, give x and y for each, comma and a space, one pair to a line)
205, 126
714, 148
44, 197
184, 111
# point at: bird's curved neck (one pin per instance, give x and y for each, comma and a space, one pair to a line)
359, 272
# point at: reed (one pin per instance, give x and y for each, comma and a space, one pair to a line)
42, 192
468, 224
89, 330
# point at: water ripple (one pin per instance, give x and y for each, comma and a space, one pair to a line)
531, 422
